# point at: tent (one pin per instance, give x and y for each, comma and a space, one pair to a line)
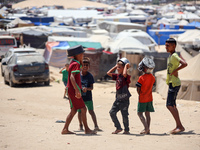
127, 44
39, 20
190, 81
195, 23
56, 52
141, 36
36, 38
160, 36
15, 23
188, 37
116, 27
103, 39
61, 31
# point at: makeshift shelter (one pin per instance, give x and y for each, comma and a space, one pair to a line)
195, 23
103, 39
160, 36
56, 52
127, 44
116, 27
61, 31
141, 36
190, 81
188, 37
97, 19
18, 23
39, 20
35, 38
80, 16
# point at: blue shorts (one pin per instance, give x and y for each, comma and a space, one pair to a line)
65, 83
172, 94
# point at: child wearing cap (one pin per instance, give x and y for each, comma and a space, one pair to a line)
144, 90
121, 102
74, 89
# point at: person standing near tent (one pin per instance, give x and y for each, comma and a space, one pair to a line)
87, 82
74, 90
64, 72
174, 82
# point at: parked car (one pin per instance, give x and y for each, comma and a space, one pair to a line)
26, 68
6, 42
12, 51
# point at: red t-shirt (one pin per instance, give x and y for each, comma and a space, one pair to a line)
74, 67
145, 82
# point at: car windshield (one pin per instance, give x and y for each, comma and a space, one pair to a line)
27, 59
7, 42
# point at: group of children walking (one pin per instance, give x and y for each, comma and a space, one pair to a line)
80, 84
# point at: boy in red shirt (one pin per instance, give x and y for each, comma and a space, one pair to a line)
74, 89
144, 89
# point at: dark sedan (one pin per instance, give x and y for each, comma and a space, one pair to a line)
26, 68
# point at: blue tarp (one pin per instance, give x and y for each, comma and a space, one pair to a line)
160, 36
189, 26
195, 23
41, 23
39, 19
62, 45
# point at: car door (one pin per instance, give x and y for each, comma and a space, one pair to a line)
8, 67
5, 59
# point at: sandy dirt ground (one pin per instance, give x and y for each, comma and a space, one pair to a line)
28, 115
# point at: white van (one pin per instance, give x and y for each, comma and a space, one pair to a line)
6, 42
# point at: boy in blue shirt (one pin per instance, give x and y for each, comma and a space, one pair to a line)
87, 82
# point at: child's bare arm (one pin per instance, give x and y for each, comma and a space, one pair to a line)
183, 65
125, 70
62, 70
73, 81
138, 90
111, 70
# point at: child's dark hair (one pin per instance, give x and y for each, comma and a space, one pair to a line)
86, 60
171, 40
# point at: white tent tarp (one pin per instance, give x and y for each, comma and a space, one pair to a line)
127, 44
188, 37
141, 36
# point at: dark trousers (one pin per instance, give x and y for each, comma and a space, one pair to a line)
123, 107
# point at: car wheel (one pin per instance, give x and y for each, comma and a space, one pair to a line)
47, 83
6, 82
11, 82
2, 74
